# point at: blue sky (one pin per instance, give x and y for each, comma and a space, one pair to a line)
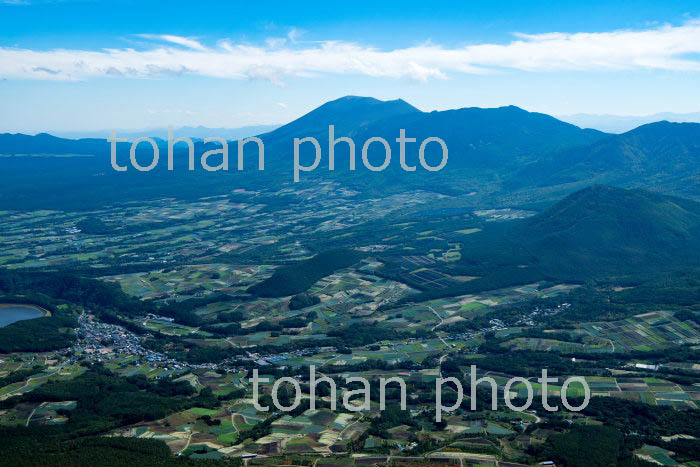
81, 65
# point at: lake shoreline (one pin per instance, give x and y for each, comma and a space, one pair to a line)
43, 311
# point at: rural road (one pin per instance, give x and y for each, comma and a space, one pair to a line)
340, 435
234, 423
447, 346
438, 325
436, 314
32, 414
534, 414
29, 380
189, 438
611, 343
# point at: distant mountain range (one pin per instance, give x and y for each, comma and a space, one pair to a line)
485, 145
497, 157
623, 123
194, 132
661, 156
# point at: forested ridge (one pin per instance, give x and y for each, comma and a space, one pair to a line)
104, 402
297, 278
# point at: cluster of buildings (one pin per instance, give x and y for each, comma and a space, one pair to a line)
273, 359
104, 341
539, 313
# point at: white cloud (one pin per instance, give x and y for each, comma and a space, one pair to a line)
294, 34
275, 42
178, 40
662, 48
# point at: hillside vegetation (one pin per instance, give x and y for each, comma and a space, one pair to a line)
297, 278
596, 232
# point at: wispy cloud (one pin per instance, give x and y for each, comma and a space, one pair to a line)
178, 40
294, 34
663, 47
275, 42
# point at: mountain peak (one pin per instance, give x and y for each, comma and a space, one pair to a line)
347, 114
513, 108
628, 213
666, 127
353, 98
599, 201
350, 102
